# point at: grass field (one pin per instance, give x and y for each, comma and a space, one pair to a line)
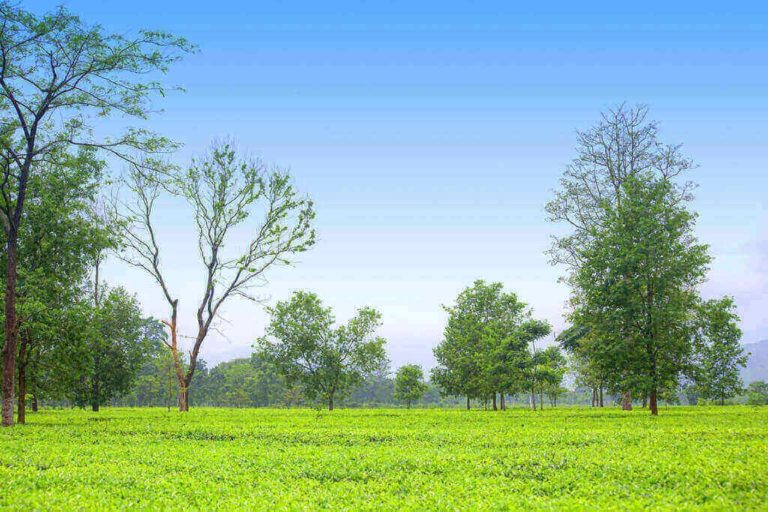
377, 459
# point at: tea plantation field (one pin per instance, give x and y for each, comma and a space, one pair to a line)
378, 459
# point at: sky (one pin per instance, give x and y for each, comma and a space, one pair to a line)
430, 135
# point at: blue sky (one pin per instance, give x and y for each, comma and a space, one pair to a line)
430, 135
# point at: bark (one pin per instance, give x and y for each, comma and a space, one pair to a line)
184, 400
654, 406
532, 398
408, 404
600, 398
626, 401
11, 333
95, 406
541, 398
34, 403
503, 400
330, 403
467, 402
22, 398
645, 401
494, 402
594, 397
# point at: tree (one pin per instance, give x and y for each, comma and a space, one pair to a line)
56, 75
326, 361
575, 341
637, 286
550, 372
757, 393
118, 343
622, 146
718, 353
484, 350
224, 192
59, 240
409, 384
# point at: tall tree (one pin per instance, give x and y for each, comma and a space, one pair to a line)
326, 361
637, 287
56, 75
409, 384
718, 353
225, 192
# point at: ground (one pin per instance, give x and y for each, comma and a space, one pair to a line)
711, 458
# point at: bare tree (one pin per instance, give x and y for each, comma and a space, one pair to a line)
56, 74
223, 191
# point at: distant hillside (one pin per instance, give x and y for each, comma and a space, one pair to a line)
757, 366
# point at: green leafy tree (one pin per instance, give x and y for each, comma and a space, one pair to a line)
484, 350
117, 344
757, 393
718, 353
225, 193
623, 145
636, 287
409, 384
57, 75
326, 361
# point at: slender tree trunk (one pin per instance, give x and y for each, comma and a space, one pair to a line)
653, 404
494, 401
184, 399
34, 402
467, 402
22, 400
645, 400
600, 398
626, 401
503, 400
330, 403
532, 398
11, 334
541, 398
408, 404
594, 397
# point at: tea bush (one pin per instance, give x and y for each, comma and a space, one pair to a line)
703, 458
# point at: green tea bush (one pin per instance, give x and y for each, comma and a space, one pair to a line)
689, 458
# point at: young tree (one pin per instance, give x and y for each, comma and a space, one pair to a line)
718, 353
637, 287
224, 192
56, 75
326, 361
409, 384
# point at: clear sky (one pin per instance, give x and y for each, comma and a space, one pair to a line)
430, 134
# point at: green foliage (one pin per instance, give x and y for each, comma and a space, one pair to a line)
757, 393
636, 287
117, 342
326, 361
718, 353
485, 344
704, 458
409, 384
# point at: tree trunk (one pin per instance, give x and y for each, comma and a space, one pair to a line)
594, 397
645, 401
503, 400
601, 395
330, 403
95, 406
467, 402
34, 403
22, 363
541, 398
95, 396
11, 333
653, 404
408, 404
626, 401
494, 401
532, 398
184, 399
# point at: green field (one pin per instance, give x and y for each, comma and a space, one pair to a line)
570, 458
